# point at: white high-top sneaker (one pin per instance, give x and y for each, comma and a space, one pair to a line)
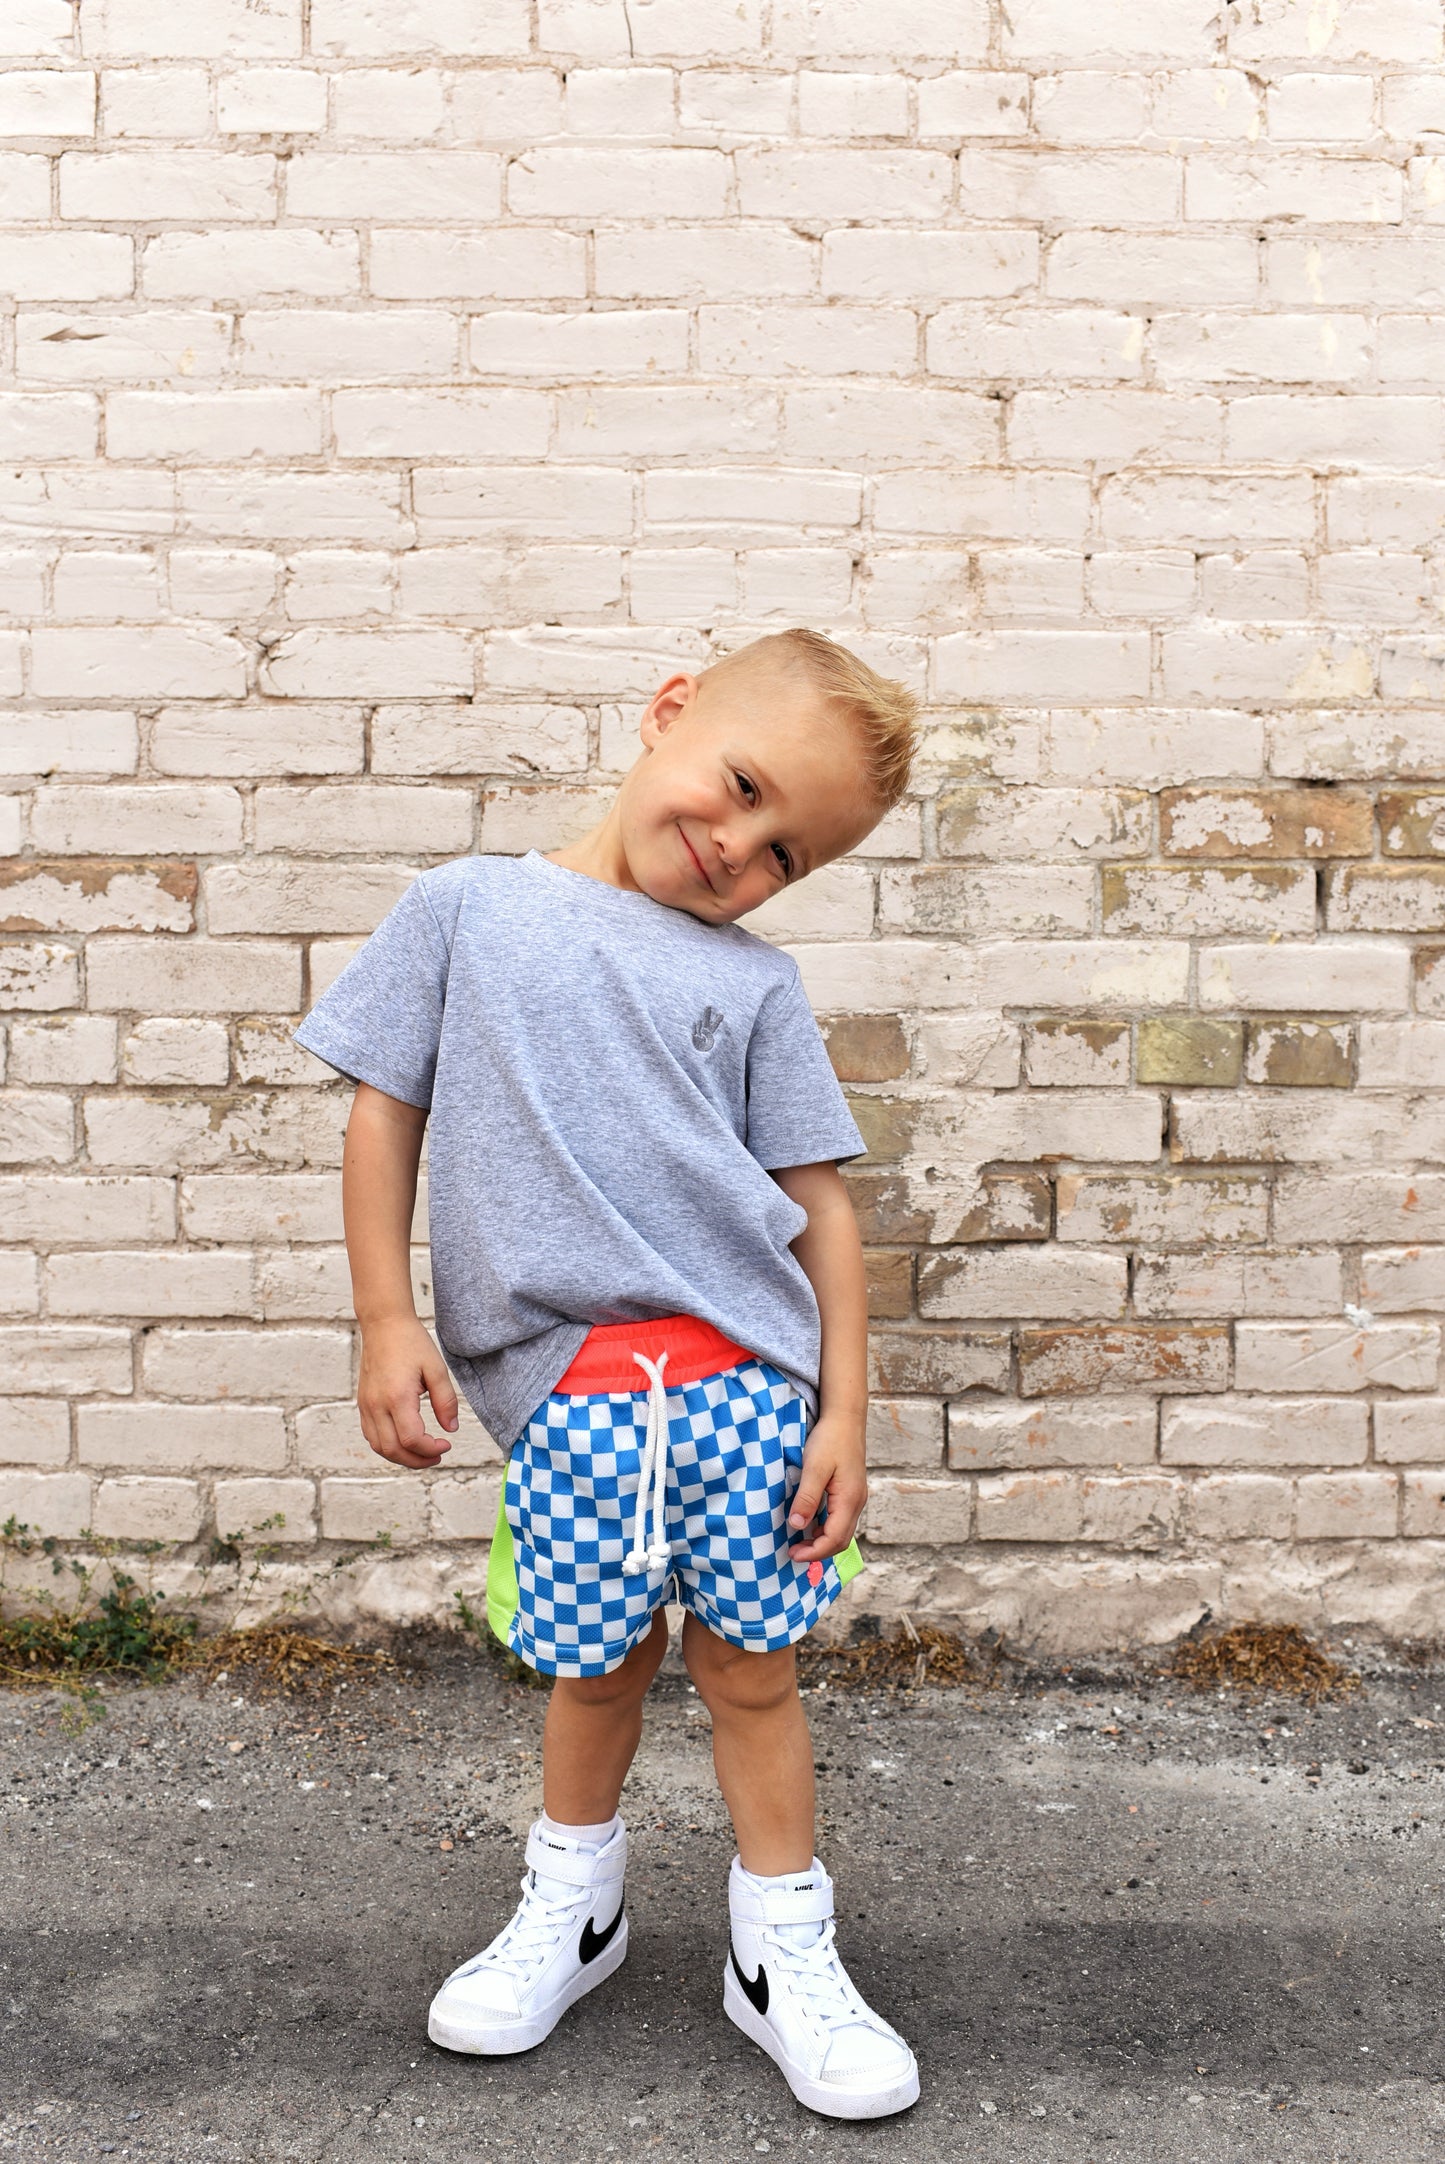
786, 1988
569, 1933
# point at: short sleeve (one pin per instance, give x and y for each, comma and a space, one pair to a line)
797, 1114
381, 1021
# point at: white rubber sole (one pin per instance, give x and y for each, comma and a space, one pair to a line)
819, 2096
493, 2040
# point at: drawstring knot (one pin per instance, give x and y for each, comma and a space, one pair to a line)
653, 1477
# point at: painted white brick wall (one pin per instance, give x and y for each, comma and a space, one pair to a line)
391, 393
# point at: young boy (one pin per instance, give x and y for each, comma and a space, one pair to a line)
649, 1283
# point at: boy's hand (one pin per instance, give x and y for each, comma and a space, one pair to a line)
399, 1363
833, 1466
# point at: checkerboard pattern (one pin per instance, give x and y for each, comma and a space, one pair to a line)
735, 1452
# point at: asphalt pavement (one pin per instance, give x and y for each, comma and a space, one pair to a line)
1117, 1921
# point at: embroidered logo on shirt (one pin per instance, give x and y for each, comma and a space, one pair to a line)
705, 1029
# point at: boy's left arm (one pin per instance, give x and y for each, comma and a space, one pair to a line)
831, 1254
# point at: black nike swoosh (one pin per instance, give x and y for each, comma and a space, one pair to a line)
592, 1941
756, 1987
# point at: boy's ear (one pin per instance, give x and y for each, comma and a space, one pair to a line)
668, 705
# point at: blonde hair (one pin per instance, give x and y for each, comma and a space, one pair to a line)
882, 711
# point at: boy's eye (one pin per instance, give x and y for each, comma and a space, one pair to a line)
748, 790
784, 859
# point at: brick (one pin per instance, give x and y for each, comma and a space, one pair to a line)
634, 342
1005, 665
1346, 1506
890, 1283
1208, 509
249, 267
1078, 344
149, 1283
83, 894
684, 29
1330, 976
38, 974
735, 101
296, 739
204, 1363
1139, 900
1240, 660
1115, 1358
1060, 1506
276, 1510
805, 183
85, 1209
1337, 1356
436, 185
559, 181
211, 975
1026, 823
905, 1363
982, 1437
1422, 1505
492, 586
147, 1509
1398, 1278
465, 1509
1410, 1431
1147, 750
1320, 108
1264, 1431
1283, 184
38, 27
135, 821
1412, 824
866, 1048
1292, 1052
36, 1431
1315, 823
373, 1510
1052, 30
1084, 973
50, 1505
1120, 426
1241, 1506
1162, 1210
1060, 1053
353, 29
58, 1359
1163, 269
301, 894
165, 1438
155, 103
781, 340
172, 184
169, 29
905, 1432
980, 506
480, 739
1105, 187
67, 266
164, 661
1018, 898
75, 1048
36, 1127
1361, 1206
19, 1286
528, 263
1220, 1283
1372, 30
175, 1048
1429, 966
1046, 1281
1015, 1126
48, 424
924, 1513
355, 821
262, 1206
271, 101
1306, 1127
1387, 898
1090, 105
1357, 430
973, 102
348, 345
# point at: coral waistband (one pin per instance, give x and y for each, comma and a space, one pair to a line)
604, 1360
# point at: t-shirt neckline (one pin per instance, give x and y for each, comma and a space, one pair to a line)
601, 889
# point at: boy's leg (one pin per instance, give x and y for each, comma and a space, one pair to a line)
760, 1745
593, 1727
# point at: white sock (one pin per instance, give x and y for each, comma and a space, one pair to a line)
789, 1882
590, 1838
586, 1836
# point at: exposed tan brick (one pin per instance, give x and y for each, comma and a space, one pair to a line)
906, 1363
886, 1124
1120, 1357
1062, 1053
1387, 898
1190, 1051
866, 1047
1146, 899
1292, 1052
96, 894
1265, 823
919, 1513
890, 1282
1412, 823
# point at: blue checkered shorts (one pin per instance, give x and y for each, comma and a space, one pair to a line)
556, 1590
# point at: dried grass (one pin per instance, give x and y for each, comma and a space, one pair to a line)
916, 1653
282, 1658
1261, 1657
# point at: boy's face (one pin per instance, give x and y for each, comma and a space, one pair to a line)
745, 785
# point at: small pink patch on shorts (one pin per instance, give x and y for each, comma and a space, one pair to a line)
815, 1573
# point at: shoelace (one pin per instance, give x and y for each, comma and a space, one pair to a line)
532, 1933
818, 1975
654, 1471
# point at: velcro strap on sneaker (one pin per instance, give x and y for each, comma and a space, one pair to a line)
572, 1866
798, 1905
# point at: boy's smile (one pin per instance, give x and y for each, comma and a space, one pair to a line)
743, 787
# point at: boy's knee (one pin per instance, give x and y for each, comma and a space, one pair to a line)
625, 1683
731, 1679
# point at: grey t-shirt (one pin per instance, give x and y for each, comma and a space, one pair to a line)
610, 1083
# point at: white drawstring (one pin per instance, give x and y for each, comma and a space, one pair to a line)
654, 1469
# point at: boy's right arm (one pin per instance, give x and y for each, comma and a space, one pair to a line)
399, 1361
